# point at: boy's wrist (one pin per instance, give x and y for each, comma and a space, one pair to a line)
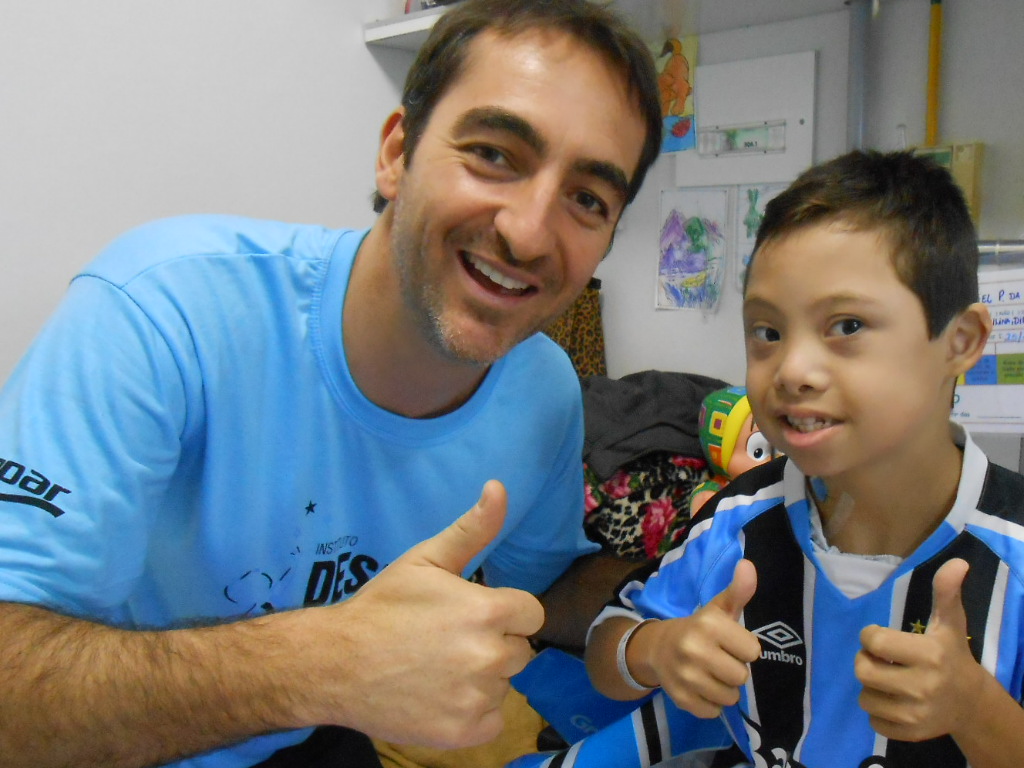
621, 660
977, 694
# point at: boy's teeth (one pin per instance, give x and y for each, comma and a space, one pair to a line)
808, 424
503, 280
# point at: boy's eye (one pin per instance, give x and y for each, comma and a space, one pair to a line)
846, 327
765, 333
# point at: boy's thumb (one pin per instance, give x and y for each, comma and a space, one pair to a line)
453, 548
734, 598
947, 603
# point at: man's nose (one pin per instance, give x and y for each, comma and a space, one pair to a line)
527, 219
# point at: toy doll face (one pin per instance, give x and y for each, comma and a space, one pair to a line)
752, 448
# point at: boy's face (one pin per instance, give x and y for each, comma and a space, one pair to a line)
511, 197
841, 374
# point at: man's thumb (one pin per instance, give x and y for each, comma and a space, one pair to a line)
947, 604
734, 598
455, 546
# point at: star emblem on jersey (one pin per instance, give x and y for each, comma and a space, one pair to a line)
779, 634
311, 508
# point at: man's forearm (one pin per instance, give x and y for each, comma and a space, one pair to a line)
83, 694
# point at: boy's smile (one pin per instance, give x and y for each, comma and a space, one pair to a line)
827, 322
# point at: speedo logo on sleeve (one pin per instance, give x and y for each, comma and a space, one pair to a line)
21, 485
783, 637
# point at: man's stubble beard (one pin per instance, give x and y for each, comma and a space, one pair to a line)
424, 300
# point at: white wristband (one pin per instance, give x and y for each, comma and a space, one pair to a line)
620, 658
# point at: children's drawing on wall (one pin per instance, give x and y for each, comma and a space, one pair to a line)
750, 202
691, 264
677, 61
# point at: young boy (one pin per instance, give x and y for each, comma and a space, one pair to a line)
859, 602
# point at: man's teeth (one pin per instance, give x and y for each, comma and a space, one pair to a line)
503, 280
808, 424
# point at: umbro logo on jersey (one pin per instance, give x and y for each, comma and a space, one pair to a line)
38, 490
783, 637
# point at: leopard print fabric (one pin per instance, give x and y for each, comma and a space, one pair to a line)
642, 510
580, 333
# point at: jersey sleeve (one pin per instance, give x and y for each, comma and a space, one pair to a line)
683, 580
91, 423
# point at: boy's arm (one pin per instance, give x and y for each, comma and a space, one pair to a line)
994, 736
700, 661
919, 687
576, 598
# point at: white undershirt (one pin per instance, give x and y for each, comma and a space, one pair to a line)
853, 575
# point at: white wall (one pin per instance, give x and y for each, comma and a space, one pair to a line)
640, 337
980, 81
981, 75
117, 112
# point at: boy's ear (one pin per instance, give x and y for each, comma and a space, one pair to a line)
391, 156
968, 334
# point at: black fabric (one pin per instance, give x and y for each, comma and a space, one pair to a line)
643, 412
327, 747
776, 615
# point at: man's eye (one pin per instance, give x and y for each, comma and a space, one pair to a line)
592, 203
847, 326
489, 154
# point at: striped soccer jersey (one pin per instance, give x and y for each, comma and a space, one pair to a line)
799, 707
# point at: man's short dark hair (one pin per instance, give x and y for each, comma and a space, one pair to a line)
912, 201
442, 57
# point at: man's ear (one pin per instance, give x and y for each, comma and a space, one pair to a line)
968, 334
391, 157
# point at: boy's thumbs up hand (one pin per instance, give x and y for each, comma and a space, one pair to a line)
947, 605
701, 660
919, 686
734, 598
419, 655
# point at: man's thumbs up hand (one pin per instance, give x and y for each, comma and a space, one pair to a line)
922, 685
454, 547
419, 654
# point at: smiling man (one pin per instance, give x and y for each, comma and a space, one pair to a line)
263, 434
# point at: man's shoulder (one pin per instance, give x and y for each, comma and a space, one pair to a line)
542, 360
181, 238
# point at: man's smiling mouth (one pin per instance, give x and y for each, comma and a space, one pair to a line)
492, 279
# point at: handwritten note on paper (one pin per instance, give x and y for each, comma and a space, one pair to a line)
990, 396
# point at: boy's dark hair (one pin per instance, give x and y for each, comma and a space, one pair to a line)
441, 59
908, 197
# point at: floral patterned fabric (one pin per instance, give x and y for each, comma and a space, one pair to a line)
642, 510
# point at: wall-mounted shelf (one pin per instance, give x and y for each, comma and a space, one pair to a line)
407, 32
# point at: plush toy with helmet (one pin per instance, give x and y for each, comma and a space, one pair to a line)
732, 442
